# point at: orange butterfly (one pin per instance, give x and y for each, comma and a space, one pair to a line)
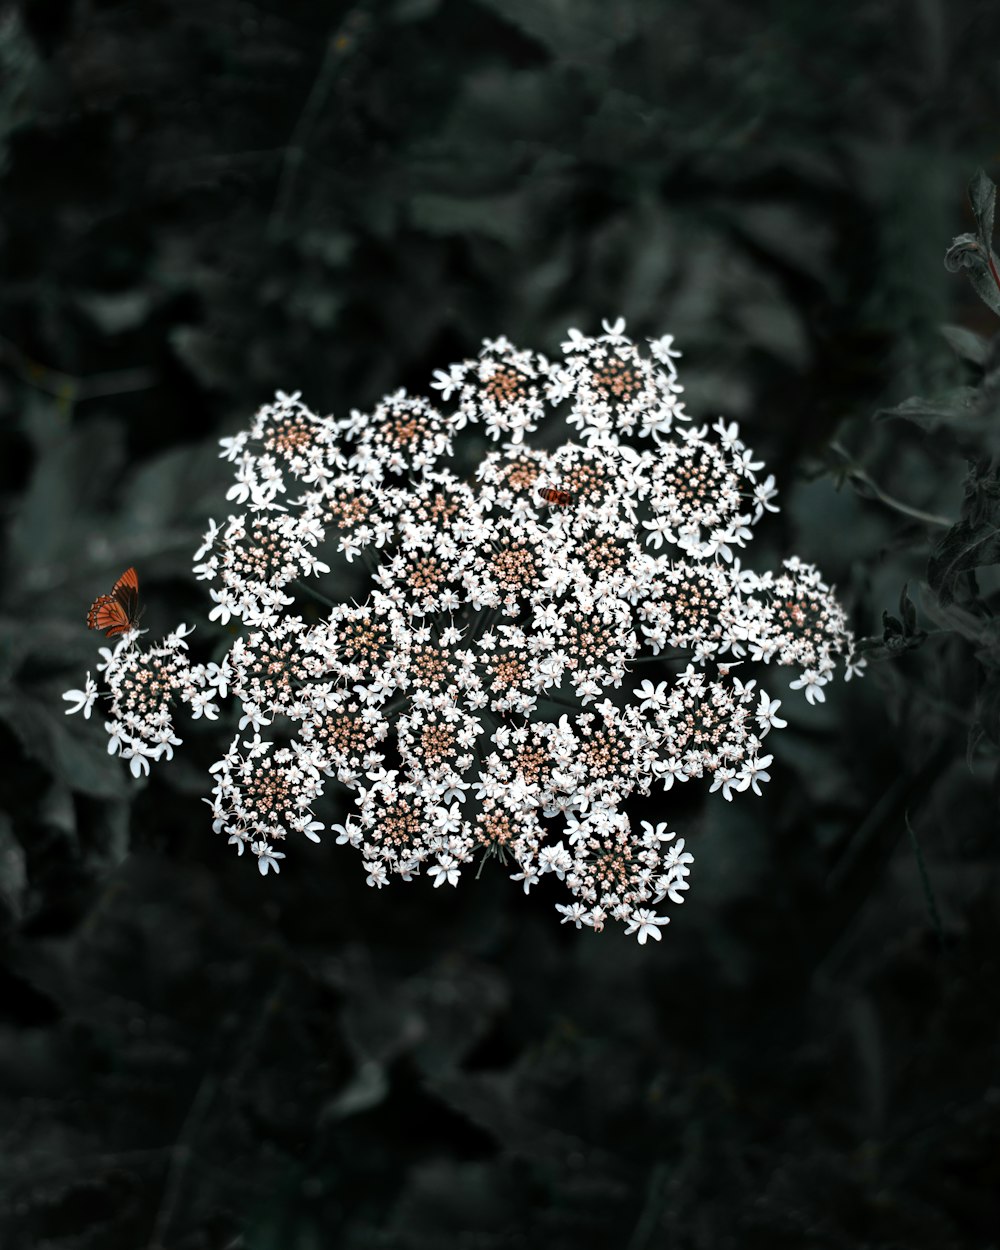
118, 612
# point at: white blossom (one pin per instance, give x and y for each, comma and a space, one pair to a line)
437, 696
82, 699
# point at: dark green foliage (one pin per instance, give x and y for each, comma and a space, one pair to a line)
202, 203
974, 252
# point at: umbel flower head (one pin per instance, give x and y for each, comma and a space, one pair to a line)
478, 692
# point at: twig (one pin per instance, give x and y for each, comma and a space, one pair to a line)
310, 590
859, 475
180, 1157
925, 879
336, 46
68, 386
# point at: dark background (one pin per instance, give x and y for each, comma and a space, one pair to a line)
202, 202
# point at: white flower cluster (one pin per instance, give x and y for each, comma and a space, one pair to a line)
142, 687
479, 699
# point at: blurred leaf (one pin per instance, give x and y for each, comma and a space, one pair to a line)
775, 326
414, 10
71, 481
81, 762
19, 64
113, 314
497, 218
795, 238
568, 28
366, 1089
202, 354
13, 874
967, 345
175, 488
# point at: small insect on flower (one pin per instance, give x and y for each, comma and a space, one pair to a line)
558, 498
118, 612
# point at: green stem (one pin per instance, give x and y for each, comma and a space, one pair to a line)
309, 590
859, 475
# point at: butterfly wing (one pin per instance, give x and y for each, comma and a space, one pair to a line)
116, 613
108, 614
126, 591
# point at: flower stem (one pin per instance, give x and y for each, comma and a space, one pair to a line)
309, 590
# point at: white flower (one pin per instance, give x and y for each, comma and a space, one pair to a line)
555, 859
377, 875
653, 835
812, 683
83, 699
446, 869
767, 713
311, 828
650, 695
253, 717
446, 382
660, 529
644, 923
266, 857
574, 913
225, 607
201, 705
662, 349
138, 760
727, 780
671, 886
729, 435
383, 602
447, 820
753, 771
347, 833
763, 493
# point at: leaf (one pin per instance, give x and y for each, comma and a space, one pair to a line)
568, 28
966, 546
784, 231
13, 871
974, 253
966, 344
776, 326
84, 764
366, 1089
80, 761
175, 487
908, 611
72, 475
947, 409
202, 354
983, 631
966, 252
987, 718
899, 635
495, 217
982, 197
114, 314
